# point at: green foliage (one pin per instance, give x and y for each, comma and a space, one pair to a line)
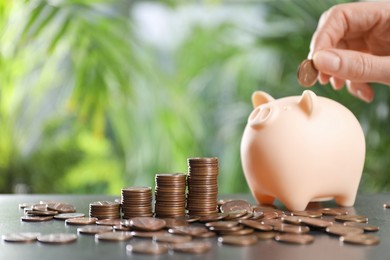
88, 105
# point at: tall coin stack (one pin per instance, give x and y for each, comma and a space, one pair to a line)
137, 202
104, 210
202, 182
170, 195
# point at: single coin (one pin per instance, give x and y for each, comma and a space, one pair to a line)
227, 229
110, 222
257, 215
334, 211
386, 205
114, 236
236, 205
364, 226
207, 234
25, 205
351, 218
91, 230
307, 74
61, 207
295, 238
65, 216
213, 217
307, 213
146, 234
149, 248
225, 224
36, 218
41, 213
147, 223
362, 239
81, 221
137, 189
175, 222
265, 235
60, 238
288, 228
192, 247
256, 225
241, 232
173, 239
235, 214
340, 230
188, 230
294, 220
23, 237
315, 222
238, 240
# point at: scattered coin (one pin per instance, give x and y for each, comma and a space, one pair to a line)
80, 221
236, 205
308, 214
192, 247
92, 230
265, 235
295, 238
114, 236
188, 230
352, 218
307, 73
256, 225
148, 234
149, 248
60, 238
23, 237
238, 240
110, 222
36, 218
41, 212
360, 239
65, 216
172, 239
288, 228
364, 226
334, 211
147, 223
315, 222
61, 207
340, 230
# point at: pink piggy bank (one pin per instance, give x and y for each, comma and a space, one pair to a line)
300, 149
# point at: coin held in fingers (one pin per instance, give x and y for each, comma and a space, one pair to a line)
307, 73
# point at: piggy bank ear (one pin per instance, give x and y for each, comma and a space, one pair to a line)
260, 97
308, 102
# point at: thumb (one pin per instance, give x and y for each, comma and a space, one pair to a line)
353, 65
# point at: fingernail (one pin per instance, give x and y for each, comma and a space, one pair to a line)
364, 97
326, 61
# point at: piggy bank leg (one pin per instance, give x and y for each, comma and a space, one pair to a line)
296, 205
346, 200
264, 199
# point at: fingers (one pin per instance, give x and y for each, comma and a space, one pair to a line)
362, 91
352, 65
346, 21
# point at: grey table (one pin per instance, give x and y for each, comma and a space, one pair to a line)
324, 246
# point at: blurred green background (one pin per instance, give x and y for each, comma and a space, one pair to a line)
96, 95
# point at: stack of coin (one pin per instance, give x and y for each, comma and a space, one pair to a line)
104, 210
170, 195
202, 186
137, 202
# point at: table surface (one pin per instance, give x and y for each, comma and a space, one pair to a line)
324, 246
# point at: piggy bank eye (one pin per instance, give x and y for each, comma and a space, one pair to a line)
259, 116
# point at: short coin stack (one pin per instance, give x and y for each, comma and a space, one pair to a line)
104, 210
137, 202
170, 195
202, 186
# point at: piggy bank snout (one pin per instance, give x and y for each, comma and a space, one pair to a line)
259, 116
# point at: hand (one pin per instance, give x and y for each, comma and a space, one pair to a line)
352, 45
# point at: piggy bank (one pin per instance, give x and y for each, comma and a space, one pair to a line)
300, 149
